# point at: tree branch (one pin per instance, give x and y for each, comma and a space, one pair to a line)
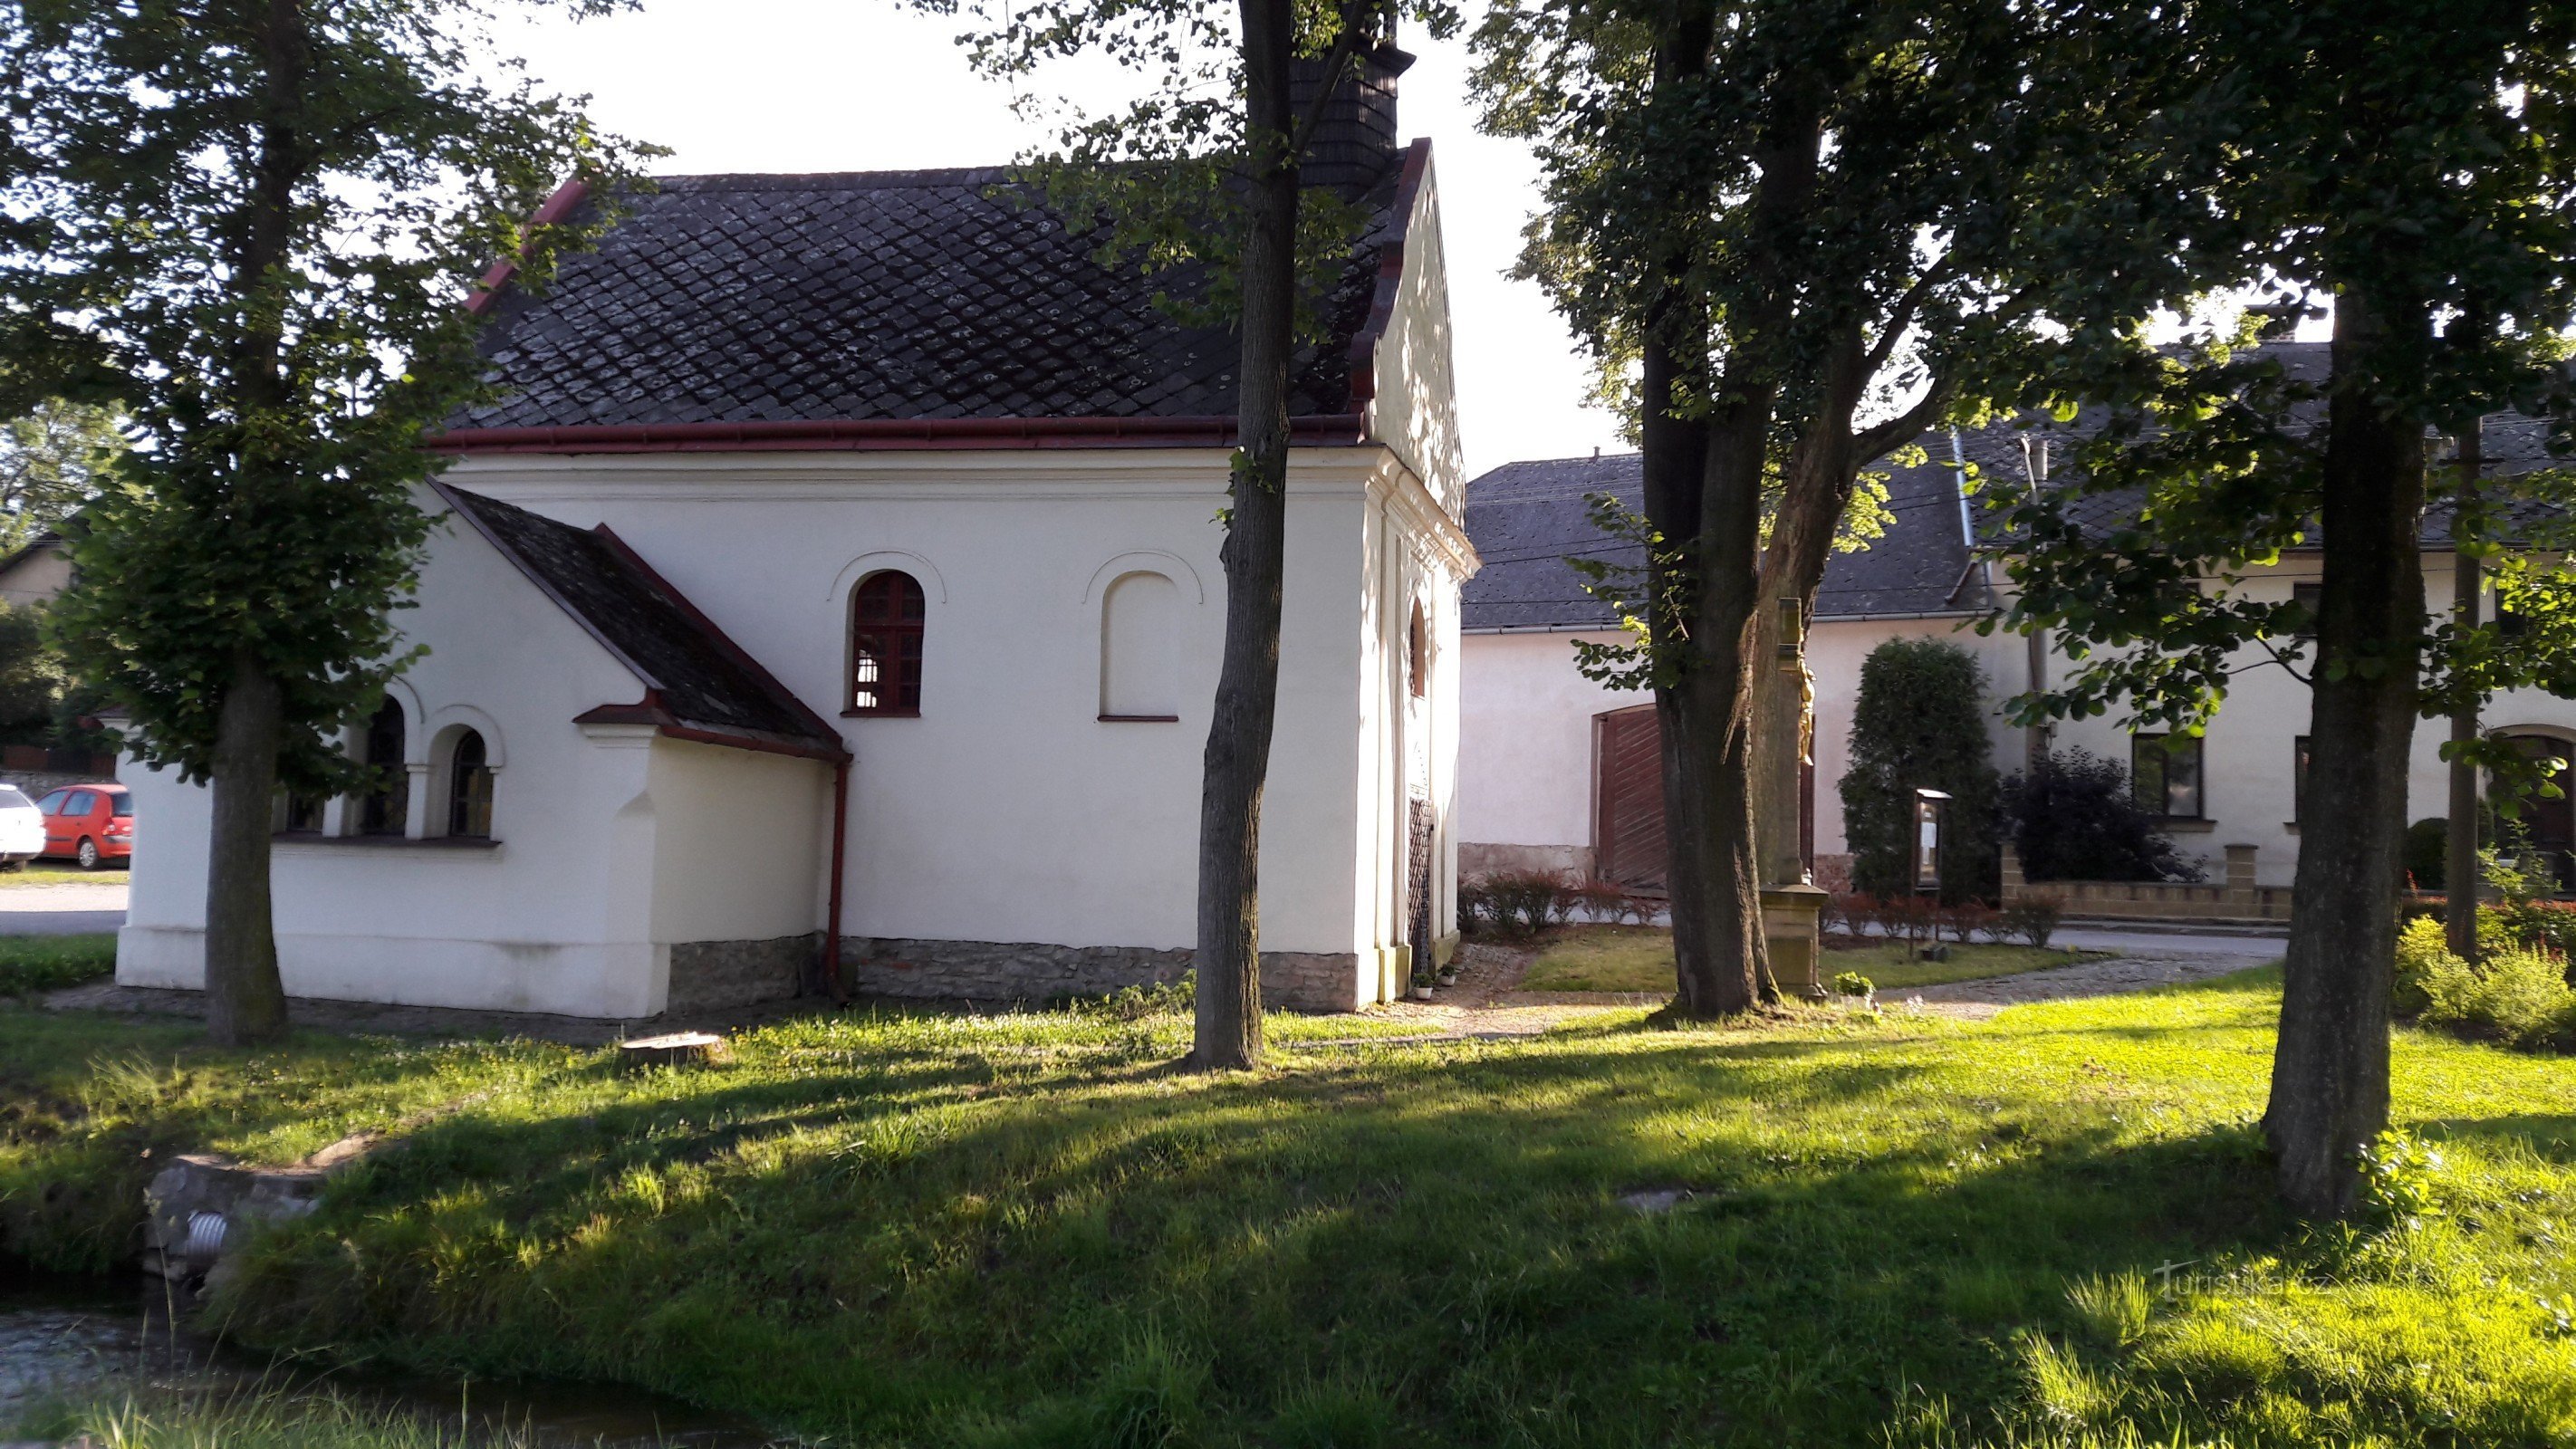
1901, 315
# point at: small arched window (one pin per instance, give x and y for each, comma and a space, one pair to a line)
385, 810
1139, 673
885, 645
1417, 653
469, 787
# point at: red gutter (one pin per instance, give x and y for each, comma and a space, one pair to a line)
557, 207
885, 434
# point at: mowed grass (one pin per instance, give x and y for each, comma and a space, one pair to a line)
42, 872
32, 964
1640, 959
2053, 1228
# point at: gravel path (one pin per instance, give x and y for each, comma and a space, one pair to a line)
2139, 970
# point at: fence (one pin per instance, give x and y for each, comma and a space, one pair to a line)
2238, 901
35, 759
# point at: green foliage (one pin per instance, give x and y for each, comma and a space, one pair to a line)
1852, 983
1053, 1238
321, 192
270, 1415
51, 461
32, 964
2032, 919
1920, 724
2448, 196
2516, 993
32, 686
2428, 850
2401, 1177
2074, 817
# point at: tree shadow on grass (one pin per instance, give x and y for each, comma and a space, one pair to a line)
1436, 1244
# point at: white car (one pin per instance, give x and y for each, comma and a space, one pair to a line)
22, 828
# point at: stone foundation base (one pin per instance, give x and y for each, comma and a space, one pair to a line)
1571, 861
710, 975
1000, 971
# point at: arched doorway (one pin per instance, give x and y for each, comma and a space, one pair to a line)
2546, 828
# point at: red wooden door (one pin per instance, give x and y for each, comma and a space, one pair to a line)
1628, 798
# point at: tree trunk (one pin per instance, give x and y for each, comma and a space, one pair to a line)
1715, 873
2330, 1071
1255, 555
2460, 868
245, 999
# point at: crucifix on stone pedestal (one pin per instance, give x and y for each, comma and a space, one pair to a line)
1783, 750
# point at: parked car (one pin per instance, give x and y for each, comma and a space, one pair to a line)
22, 828
92, 824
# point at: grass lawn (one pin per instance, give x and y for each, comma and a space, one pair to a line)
1640, 958
59, 872
30, 964
2054, 1228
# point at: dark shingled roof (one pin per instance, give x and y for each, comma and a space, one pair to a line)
877, 296
695, 677
1526, 518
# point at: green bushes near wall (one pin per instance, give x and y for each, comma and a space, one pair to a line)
2515, 994
2074, 817
1920, 724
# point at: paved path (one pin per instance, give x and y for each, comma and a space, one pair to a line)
2146, 963
72, 909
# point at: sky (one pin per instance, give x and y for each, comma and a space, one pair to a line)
868, 85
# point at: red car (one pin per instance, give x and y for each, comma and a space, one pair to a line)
92, 824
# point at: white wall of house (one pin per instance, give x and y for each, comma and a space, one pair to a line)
1009, 811
608, 844
2248, 752
1836, 649
1525, 745
1415, 407
36, 575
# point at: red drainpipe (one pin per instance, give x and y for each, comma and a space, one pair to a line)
840, 857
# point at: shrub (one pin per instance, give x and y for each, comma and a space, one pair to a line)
1852, 983
2537, 925
1604, 900
2428, 846
1475, 907
2517, 996
2073, 818
1522, 901
1857, 913
1910, 917
2421, 944
2033, 919
1920, 723
1962, 922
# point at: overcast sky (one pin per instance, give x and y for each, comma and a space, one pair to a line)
867, 85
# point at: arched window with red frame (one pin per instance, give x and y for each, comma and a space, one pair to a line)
885, 645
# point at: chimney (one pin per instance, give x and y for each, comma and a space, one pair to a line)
1354, 142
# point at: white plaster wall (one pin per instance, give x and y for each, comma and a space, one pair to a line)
558, 916
1525, 739
1836, 649
2247, 752
1415, 408
37, 576
1009, 811
739, 842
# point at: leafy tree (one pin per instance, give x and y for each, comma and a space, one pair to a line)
2418, 175
2074, 817
50, 463
1920, 724
1202, 177
31, 676
321, 184
1796, 234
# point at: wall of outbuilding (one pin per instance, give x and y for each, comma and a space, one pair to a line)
608, 845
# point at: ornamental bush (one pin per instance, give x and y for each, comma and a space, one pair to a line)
2073, 817
1920, 724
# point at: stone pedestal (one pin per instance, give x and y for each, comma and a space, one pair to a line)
1793, 929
